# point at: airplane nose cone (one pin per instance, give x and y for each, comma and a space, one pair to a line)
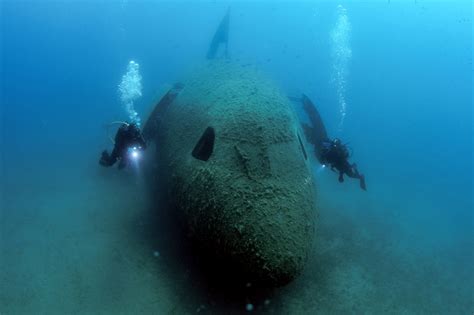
238, 173
264, 230
275, 239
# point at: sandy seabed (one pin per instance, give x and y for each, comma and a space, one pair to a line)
86, 241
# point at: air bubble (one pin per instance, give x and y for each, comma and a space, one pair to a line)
341, 56
130, 89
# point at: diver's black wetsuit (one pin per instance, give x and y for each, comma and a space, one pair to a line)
336, 155
128, 136
331, 152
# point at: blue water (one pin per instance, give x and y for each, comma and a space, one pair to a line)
68, 228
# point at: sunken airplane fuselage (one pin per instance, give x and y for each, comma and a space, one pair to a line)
237, 172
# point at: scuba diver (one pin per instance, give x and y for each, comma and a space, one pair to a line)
328, 152
130, 141
128, 144
336, 154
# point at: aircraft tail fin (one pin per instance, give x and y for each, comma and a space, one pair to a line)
221, 37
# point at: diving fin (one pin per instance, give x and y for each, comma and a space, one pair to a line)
341, 177
221, 36
362, 182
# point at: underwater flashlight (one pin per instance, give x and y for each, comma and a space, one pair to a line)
321, 168
134, 153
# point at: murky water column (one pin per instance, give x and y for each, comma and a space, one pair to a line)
341, 56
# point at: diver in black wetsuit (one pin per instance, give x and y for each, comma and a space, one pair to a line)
331, 152
128, 144
335, 154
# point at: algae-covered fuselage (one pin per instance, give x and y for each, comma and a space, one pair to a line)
238, 173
